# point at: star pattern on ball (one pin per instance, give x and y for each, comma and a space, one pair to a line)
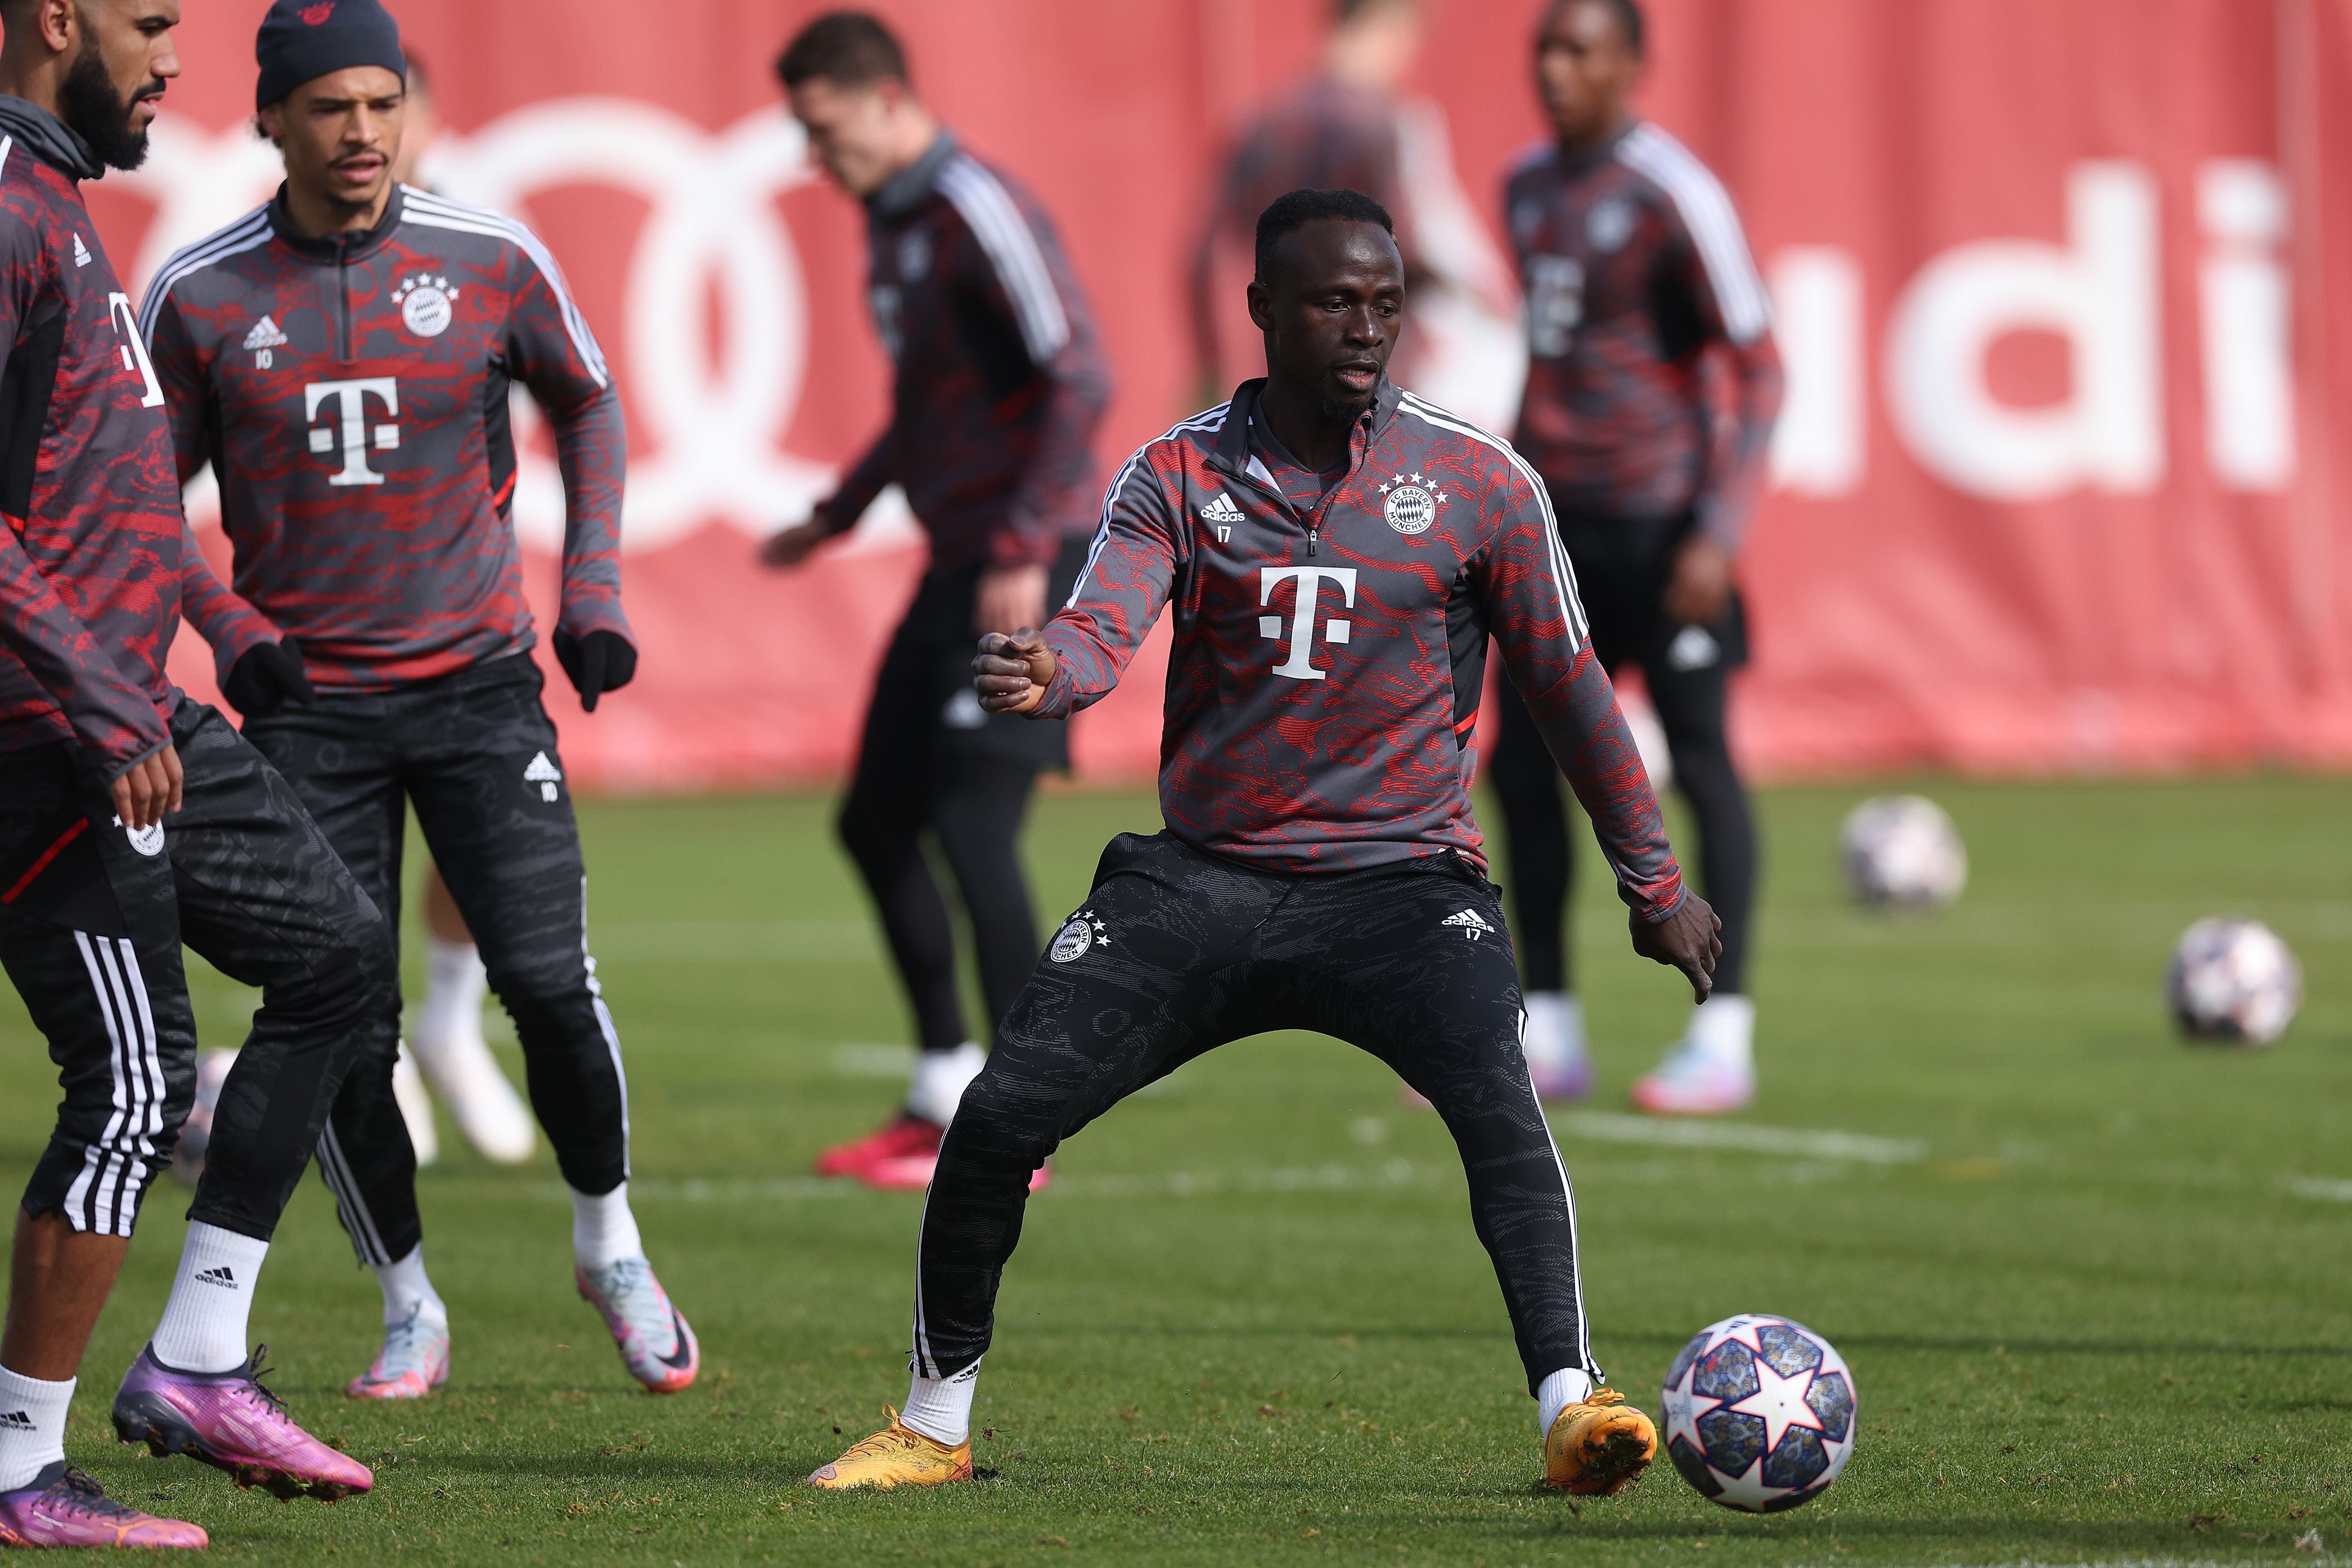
1781, 1402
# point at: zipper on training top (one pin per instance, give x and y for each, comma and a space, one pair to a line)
343, 280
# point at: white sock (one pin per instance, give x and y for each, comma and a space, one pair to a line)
603, 1231
1557, 1393
455, 984
1723, 1028
940, 1407
406, 1289
940, 1078
203, 1326
1555, 1037
33, 1426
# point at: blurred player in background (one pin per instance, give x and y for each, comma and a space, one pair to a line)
1337, 552
1337, 129
447, 1032
131, 820
342, 356
1641, 302
1351, 125
998, 384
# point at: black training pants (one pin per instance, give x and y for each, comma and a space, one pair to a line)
93, 918
931, 761
1621, 569
1176, 953
475, 753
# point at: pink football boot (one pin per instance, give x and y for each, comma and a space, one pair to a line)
656, 1345
415, 1361
63, 1507
232, 1423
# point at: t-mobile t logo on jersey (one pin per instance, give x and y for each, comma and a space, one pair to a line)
1307, 601
350, 417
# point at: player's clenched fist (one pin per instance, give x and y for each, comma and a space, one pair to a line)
1012, 670
1690, 939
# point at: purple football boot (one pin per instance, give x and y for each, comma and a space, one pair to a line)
232, 1423
63, 1507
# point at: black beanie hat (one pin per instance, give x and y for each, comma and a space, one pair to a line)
302, 40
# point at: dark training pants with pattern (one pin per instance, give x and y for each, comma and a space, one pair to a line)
1176, 953
931, 760
93, 918
475, 753
1621, 567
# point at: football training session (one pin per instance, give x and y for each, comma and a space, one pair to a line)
1191, 782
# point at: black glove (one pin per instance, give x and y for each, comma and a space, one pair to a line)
597, 663
267, 678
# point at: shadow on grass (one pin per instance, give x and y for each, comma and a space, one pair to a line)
1973, 1344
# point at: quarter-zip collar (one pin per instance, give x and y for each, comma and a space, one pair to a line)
903, 192
342, 250
48, 138
1232, 455
1575, 161
345, 246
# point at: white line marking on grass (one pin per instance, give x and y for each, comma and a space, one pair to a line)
1820, 1145
2324, 1189
873, 1061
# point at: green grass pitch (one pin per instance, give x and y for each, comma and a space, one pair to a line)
2096, 1284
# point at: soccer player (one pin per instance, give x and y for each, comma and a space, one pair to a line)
132, 820
1337, 552
342, 356
998, 383
1637, 283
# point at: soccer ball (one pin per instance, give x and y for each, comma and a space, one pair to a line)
2233, 979
1901, 849
1759, 1414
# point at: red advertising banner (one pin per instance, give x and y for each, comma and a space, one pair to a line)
2062, 285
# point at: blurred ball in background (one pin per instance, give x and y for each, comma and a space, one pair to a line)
2233, 979
1902, 851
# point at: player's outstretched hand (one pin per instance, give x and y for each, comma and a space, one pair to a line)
790, 548
1012, 670
600, 662
1691, 939
148, 789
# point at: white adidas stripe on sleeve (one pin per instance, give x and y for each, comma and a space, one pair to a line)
1563, 575
979, 198
440, 212
1707, 210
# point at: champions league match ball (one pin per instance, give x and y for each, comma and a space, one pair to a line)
1902, 851
2233, 980
1759, 1414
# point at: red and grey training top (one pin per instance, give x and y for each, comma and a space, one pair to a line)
1328, 658
1000, 379
90, 555
1634, 268
351, 393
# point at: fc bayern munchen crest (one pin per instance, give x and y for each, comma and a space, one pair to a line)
1410, 510
427, 305
1074, 939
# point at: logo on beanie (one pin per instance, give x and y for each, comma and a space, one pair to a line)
427, 303
316, 16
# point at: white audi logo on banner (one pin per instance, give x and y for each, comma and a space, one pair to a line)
708, 426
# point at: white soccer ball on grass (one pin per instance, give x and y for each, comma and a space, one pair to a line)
2233, 979
1902, 851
